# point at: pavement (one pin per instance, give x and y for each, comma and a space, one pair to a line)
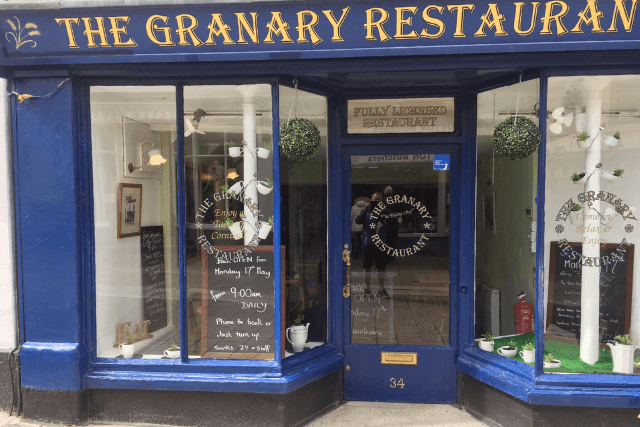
350, 414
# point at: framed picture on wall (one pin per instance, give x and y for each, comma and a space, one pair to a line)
129, 209
489, 209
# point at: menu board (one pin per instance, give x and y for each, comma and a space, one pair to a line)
238, 309
154, 292
565, 283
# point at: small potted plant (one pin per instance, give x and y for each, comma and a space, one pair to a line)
576, 178
528, 353
297, 334
622, 354
234, 227
265, 187
574, 215
263, 152
127, 348
264, 228
233, 150
172, 352
550, 362
508, 350
224, 187
611, 176
486, 342
612, 141
583, 139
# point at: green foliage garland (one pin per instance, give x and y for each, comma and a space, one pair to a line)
516, 139
300, 140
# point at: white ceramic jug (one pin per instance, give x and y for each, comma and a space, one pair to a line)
622, 355
297, 336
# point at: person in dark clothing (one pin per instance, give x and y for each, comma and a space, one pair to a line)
370, 227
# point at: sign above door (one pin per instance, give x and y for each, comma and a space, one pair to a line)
409, 115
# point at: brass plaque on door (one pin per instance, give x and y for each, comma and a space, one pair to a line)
399, 358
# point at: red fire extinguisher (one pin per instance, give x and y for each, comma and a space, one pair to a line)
523, 315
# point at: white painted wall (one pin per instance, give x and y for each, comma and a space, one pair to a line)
8, 316
117, 260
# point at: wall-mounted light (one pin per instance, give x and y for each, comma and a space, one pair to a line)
155, 157
192, 126
232, 173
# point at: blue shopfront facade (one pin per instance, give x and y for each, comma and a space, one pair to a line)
85, 82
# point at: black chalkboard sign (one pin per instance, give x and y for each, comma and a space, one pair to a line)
565, 283
154, 291
238, 305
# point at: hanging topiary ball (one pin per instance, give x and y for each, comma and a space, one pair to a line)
516, 139
300, 140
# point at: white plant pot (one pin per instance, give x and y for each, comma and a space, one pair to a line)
264, 230
263, 188
263, 153
236, 230
610, 141
622, 355
608, 176
127, 350
578, 182
581, 122
297, 336
172, 354
586, 144
529, 356
552, 365
504, 351
235, 151
237, 187
486, 345
574, 217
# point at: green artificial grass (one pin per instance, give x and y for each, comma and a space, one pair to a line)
568, 354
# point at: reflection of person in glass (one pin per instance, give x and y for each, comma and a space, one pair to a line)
356, 229
371, 227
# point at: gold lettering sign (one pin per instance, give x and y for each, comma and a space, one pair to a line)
411, 115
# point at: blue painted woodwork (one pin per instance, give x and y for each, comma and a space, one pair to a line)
54, 229
52, 366
434, 379
404, 31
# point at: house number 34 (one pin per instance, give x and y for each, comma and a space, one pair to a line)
398, 383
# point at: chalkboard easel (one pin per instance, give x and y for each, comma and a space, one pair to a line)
564, 296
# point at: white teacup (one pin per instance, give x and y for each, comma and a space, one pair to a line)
529, 356
172, 354
504, 351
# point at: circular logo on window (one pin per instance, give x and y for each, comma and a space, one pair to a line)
394, 209
237, 229
592, 215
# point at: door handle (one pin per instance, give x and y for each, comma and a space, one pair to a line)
346, 257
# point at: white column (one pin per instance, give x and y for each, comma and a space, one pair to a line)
250, 160
8, 322
590, 295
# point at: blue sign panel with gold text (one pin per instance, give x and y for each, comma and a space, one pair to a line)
292, 30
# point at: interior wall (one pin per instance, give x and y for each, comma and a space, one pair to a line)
504, 258
117, 265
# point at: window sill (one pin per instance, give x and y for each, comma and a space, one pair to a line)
519, 380
216, 375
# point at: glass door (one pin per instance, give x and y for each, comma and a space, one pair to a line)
397, 286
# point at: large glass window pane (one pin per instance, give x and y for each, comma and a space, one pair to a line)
136, 256
591, 226
304, 222
400, 264
229, 213
505, 225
